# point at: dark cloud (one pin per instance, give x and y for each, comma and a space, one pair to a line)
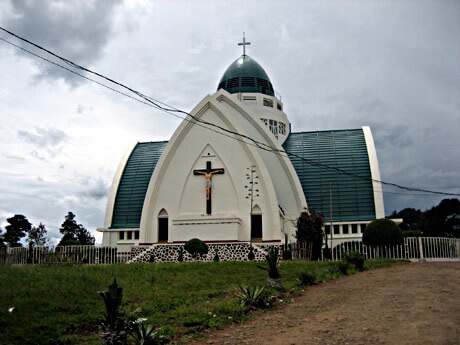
97, 189
77, 30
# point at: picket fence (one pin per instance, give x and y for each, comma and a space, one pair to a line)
60, 255
412, 249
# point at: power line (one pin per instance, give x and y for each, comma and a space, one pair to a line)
170, 110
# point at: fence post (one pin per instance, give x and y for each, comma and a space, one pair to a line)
420, 247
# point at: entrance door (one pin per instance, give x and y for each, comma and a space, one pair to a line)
163, 229
256, 227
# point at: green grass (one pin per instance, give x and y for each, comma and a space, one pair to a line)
59, 304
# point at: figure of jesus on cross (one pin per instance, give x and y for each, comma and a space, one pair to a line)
208, 173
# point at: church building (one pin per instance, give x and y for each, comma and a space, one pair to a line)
235, 172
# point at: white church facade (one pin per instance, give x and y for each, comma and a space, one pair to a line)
234, 172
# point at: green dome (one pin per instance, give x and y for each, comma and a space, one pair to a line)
246, 75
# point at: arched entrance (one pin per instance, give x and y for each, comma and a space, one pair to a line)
163, 226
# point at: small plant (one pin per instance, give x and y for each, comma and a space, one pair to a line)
355, 259
114, 326
307, 278
143, 334
196, 247
273, 274
216, 255
180, 257
287, 252
251, 255
250, 296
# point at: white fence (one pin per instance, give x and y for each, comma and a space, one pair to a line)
413, 248
67, 254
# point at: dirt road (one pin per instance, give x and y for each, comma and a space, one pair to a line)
417, 303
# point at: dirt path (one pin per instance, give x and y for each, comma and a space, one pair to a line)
416, 303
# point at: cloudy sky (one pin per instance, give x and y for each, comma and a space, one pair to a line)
391, 65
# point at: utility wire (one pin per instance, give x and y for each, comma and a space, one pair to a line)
170, 110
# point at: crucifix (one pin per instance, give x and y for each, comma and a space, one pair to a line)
244, 44
208, 173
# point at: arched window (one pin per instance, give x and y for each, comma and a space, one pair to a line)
256, 223
163, 226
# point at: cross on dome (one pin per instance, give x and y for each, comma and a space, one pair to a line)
244, 44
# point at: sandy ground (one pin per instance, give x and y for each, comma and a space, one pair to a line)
417, 303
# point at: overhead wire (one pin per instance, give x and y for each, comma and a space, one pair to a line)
147, 100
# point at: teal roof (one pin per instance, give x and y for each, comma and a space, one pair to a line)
323, 152
246, 75
134, 183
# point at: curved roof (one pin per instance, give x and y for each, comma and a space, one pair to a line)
133, 185
246, 75
339, 157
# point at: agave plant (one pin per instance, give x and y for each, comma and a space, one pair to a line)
273, 274
144, 335
250, 296
113, 325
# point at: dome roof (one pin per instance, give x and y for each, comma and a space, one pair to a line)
246, 75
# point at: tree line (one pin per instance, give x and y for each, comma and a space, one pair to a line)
19, 228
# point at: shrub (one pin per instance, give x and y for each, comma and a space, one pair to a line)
412, 233
250, 296
251, 255
216, 255
382, 232
196, 247
355, 259
180, 256
307, 278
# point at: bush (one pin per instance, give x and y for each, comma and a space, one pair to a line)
250, 296
196, 247
355, 259
382, 232
307, 278
412, 233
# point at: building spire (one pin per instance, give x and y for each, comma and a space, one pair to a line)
244, 44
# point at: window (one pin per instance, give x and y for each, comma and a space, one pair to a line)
121, 235
281, 128
233, 82
345, 228
265, 121
130, 235
268, 102
336, 229
327, 229
248, 81
273, 126
136, 235
354, 228
279, 106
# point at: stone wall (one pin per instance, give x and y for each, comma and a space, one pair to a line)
225, 251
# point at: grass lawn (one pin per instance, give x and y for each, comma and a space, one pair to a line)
59, 304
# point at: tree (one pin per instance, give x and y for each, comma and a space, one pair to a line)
310, 229
74, 233
17, 229
2, 239
382, 232
443, 219
411, 217
37, 235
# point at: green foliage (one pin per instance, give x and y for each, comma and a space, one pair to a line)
272, 262
412, 233
250, 296
114, 326
287, 252
141, 333
180, 251
355, 259
74, 233
17, 228
216, 255
37, 235
2, 239
382, 232
442, 220
307, 278
412, 218
310, 229
251, 255
196, 247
